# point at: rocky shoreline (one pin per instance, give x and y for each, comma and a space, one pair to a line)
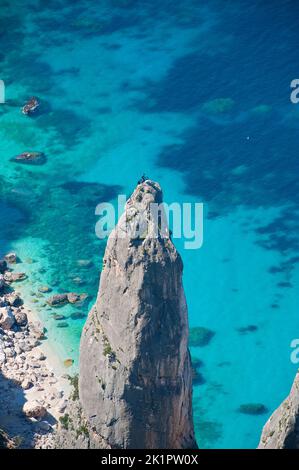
32, 395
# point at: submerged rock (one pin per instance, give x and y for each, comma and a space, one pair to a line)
75, 298
14, 277
200, 336
68, 362
57, 300
59, 317
44, 289
84, 263
77, 315
62, 324
30, 106
247, 329
135, 380
10, 258
30, 158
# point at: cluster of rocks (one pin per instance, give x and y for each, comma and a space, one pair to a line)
6, 275
31, 398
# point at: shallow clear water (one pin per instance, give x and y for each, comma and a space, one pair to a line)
195, 95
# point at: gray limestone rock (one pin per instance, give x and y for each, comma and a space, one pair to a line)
135, 380
7, 318
282, 428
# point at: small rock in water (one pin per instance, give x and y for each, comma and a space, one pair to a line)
197, 377
44, 289
14, 277
34, 409
7, 318
62, 324
247, 329
11, 258
84, 263
77, 315
30, 158
30, 106
73, 298
58, 300
77, 280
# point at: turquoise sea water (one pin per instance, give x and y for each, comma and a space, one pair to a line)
195, 95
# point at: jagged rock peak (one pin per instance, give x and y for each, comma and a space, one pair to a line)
135, 379
282, 428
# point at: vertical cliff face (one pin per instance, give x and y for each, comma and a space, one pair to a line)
282, 429
135, 380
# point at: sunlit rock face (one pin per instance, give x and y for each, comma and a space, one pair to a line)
282, 428
135, 380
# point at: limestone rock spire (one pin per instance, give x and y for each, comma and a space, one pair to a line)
135, 378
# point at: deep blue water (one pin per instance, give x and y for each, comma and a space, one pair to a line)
197, 96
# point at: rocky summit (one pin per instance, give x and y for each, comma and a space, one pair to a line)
135, 379
282, 429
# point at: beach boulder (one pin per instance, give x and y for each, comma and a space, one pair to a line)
7, 318
37, 330
30, 158
34, 409
21, 318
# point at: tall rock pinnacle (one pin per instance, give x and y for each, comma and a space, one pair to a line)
135, 379
282, 428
